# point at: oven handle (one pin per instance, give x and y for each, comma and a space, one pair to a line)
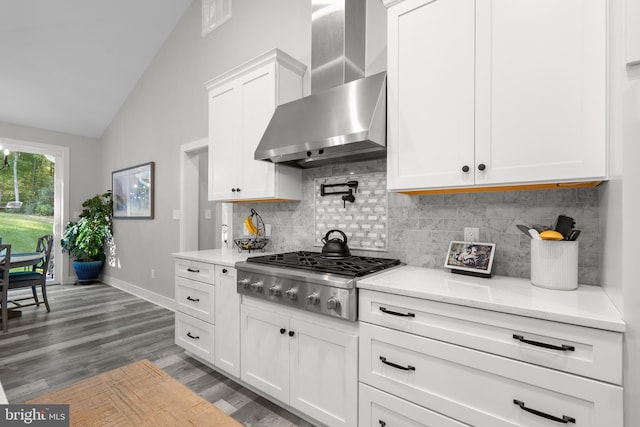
395, 313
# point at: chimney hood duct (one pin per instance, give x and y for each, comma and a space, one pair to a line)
344, 118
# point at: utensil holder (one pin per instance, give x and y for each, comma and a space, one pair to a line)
554, 264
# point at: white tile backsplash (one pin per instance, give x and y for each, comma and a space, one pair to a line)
354, 219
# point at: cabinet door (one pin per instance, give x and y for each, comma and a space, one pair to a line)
227, 321
324, 373
265, 351
225, 152
430, 93
541, 90
258, 105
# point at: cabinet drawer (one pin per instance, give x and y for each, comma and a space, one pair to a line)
195, 335
195, 298
481, 388
194, 270
593, 353
378, 408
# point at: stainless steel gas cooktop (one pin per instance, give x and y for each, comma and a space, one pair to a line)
309, 281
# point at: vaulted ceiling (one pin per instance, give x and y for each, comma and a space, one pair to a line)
68, 65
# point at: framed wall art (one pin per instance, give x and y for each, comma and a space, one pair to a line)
133, 190
475, 259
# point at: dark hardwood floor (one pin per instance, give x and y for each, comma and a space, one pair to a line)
95, 328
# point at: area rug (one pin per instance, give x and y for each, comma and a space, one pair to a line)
139, 394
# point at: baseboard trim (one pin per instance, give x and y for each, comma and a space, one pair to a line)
153, 297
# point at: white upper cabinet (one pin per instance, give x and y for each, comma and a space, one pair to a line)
241, 103
496, 92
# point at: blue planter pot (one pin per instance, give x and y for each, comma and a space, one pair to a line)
87, 270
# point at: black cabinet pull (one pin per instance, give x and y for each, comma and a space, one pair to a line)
192, 337
283, 330
404, 368
482, 167
233, 190
395, 313
564, 347
382, 423
465, 169
291, 333
193, 299
193, 270
224, 271
564, 420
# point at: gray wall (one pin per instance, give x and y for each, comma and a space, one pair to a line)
168, 107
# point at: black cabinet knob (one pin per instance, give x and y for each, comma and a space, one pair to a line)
233, 190
224, 271
465, 169
291, 333
482, 167
283, 330
238, 190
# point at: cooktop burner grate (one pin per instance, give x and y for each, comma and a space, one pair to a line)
353, 266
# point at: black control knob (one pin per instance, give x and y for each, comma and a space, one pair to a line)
482, 167
465, 169
308, 153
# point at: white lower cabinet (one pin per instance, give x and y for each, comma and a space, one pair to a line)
195, 335
208, 315
227, 321
380, 409
418, 353
303, 361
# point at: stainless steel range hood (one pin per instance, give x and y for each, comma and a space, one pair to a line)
344, 119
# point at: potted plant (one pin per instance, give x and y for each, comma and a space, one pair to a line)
86, 239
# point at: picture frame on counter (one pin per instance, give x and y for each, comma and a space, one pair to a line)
133, 192
471, 258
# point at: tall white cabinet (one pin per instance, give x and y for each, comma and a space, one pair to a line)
496, 92
241, 103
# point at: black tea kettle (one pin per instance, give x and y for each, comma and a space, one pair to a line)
335, 248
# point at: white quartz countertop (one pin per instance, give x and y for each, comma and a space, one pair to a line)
586, 306
225, 256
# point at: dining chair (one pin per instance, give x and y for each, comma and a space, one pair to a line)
36, 276
5, 253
